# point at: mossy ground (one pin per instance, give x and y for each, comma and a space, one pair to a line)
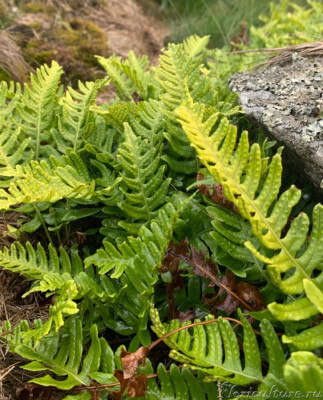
45, 33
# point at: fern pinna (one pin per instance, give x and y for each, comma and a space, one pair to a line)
107, 184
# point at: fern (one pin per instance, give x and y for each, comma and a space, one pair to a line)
230, 233
77, 120
68, 179
149, 123
100, 173
177, 63
144, 188
240, 172
37, 107
214, 350
56, 274
179, 384
130, 76
65, 357
135, 264
12, 152
9, 97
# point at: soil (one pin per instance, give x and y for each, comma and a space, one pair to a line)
126, 27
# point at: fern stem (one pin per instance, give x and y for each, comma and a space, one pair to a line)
42, 221
181, 328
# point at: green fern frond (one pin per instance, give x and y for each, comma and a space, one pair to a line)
37, 106
239, 170
181, 63
178, 384
144, 188
66, 359
116, 114
179, 155
77, 120
130, 76
303, 372
9, 97
68, 178
58, 274
230, 232
149, 123
135, 265
178, 62
12, 152
214, 349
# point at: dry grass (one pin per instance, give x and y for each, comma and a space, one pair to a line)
282, 55
11, 59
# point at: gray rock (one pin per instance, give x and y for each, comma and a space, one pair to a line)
286, 103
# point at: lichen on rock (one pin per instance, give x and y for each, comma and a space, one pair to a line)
285, 101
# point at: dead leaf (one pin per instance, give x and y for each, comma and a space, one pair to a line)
229, 304
251, 295
131, 361
215, 194
206, 269
137, 386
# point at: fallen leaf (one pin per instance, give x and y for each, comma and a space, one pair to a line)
215, 194
251, 295
137, 386
131, 361
229, 304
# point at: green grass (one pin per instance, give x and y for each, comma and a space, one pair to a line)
219, 18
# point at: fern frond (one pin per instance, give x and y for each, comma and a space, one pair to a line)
12, 152
116, 114
77, 120
178, 384
144, 186
149, 122
239, 168
39, 182
66, 359
214, 349
58, 274
179, 155
135, 265
37, 107
67, 178
303, 372
178, 62
230, 232
9, 97
130, 76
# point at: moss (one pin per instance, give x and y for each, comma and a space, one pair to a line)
36, 25
85, 38
71, 43
35, 7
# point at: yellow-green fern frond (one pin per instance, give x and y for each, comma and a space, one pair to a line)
130, 76
238, 167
